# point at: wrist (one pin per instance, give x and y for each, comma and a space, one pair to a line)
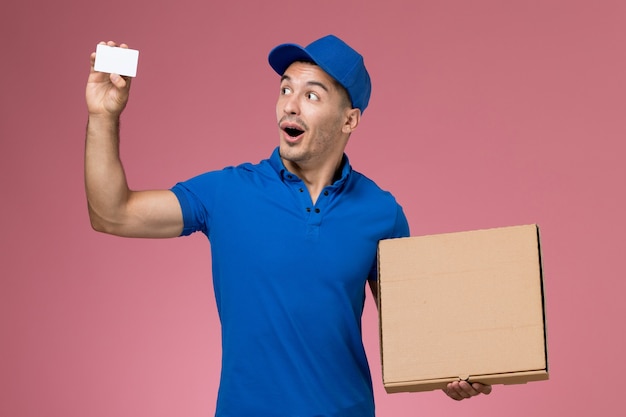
104, 118
102, 123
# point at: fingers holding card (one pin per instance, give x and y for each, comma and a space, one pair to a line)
115, 60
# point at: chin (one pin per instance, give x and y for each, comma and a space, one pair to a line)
290, 152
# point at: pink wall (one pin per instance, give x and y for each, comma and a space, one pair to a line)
484, 113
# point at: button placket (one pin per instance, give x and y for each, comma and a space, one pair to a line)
313, 210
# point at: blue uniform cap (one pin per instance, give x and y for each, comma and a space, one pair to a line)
335, 57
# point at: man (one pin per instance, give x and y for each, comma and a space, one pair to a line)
293, 238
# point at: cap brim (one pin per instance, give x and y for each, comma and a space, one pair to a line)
286, 54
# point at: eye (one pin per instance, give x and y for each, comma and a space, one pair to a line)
312, 96
285, 90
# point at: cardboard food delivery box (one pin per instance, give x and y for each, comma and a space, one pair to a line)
462, 306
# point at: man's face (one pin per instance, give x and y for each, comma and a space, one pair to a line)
313, 115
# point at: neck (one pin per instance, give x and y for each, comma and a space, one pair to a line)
316, 179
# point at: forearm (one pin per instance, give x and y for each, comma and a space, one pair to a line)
105, 181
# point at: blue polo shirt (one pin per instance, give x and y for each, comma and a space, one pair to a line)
289, 279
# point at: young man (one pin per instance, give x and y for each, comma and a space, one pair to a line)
293, 238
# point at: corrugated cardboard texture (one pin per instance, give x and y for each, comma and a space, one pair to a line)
462, 305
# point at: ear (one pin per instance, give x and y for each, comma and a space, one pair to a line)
353, 117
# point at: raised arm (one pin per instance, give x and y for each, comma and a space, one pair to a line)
113, 207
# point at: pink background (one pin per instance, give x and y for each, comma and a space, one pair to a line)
483, 114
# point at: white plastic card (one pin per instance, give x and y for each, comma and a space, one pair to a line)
115, 60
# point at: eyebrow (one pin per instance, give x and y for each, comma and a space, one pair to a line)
316, 83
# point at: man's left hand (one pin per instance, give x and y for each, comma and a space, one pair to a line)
462, 390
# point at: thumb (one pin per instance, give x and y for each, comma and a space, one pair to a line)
119, 81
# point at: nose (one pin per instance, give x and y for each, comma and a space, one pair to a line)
290, 104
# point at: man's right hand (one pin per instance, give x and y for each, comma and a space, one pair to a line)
106, 94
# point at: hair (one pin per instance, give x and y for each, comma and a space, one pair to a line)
345, 96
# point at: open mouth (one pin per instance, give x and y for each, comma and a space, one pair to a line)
293, 132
